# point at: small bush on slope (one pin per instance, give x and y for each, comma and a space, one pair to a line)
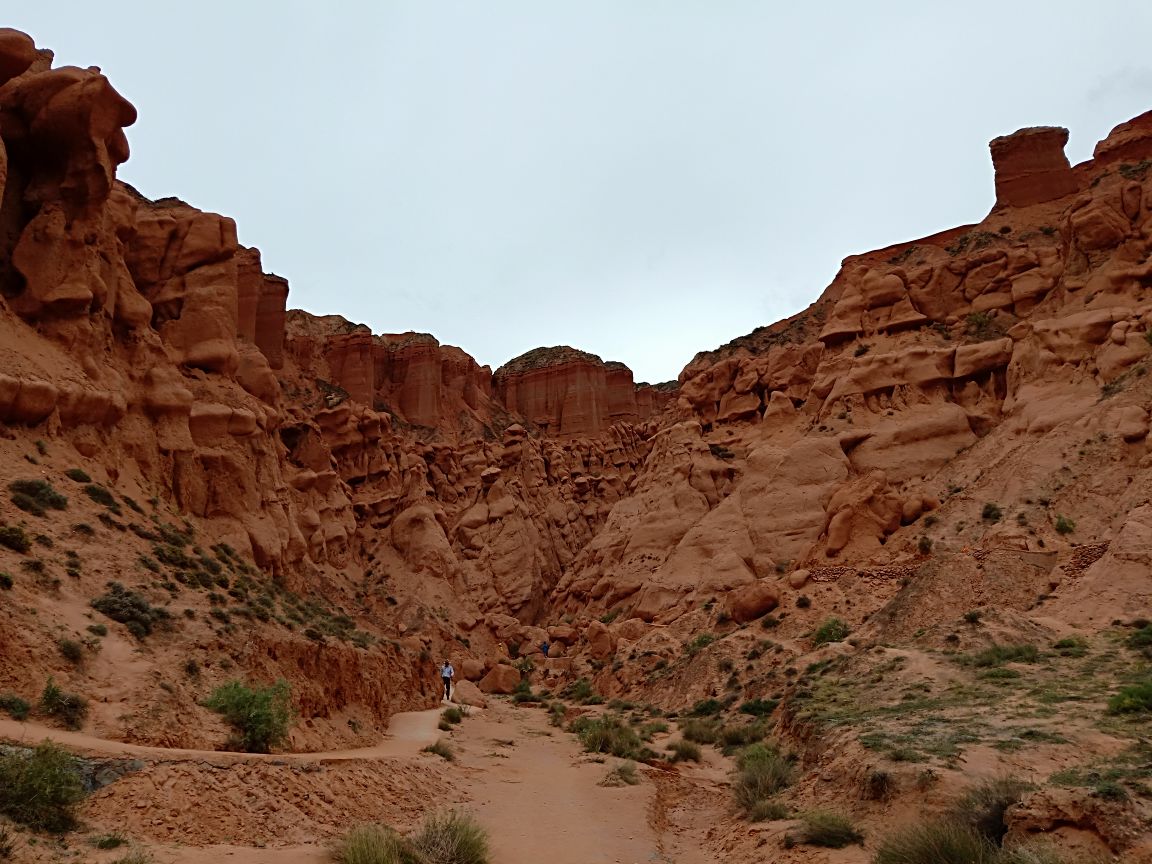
761, 773
982, 807
375, 844
936, 843
684, 751
260, 716
441, 749
829, 830
1132, 700
451, 838
130, 609
444, 838
36, 496
40, 789
69, 708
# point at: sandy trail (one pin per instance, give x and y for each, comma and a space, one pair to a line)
540, 799
530, 785
408, 733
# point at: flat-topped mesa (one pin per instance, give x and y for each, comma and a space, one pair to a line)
1031, 167
566, 392
410, 375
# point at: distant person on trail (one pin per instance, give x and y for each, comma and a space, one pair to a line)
446, 674
544, 646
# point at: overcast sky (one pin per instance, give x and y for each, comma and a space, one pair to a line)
642, 180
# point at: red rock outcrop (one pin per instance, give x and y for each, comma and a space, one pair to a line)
836, 429
1031, 167
562, 391
409, 375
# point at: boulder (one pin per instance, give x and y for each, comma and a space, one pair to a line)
563, 633
501, 678
472, 670
601, 642
467, 693
632, 629
798, 578
749, 603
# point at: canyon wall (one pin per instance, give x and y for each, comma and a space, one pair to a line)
442, 506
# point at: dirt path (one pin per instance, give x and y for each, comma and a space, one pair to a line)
408, 733
540, 797
530, 785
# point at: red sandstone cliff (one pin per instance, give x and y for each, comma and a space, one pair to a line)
569, 393
849, 448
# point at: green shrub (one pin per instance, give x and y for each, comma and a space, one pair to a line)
769, 810
71, 650
109, 841
942, 842
78, 474
706, 708
610, 734
1110, 790
877, 785
452, 715
982, 807
36, 496
700, 731
130, 609
1070, 647
579, 691
441, 749
69, 708
40, 789
259, 716
759, 707
102, 496
623, 774
451, 838
1132, 699
7, 844
97, 629
1141, 639
999, 654
828, 830
647, 730
702, 641
523, 693
1064, 525
15, 707
740, 736
13, 537
832, 630
6, 582
684, 751
375, 844
557, 712
991, 512
761, 772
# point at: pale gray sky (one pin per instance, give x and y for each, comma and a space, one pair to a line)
643, 179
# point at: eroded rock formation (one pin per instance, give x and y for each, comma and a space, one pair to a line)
443, 506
